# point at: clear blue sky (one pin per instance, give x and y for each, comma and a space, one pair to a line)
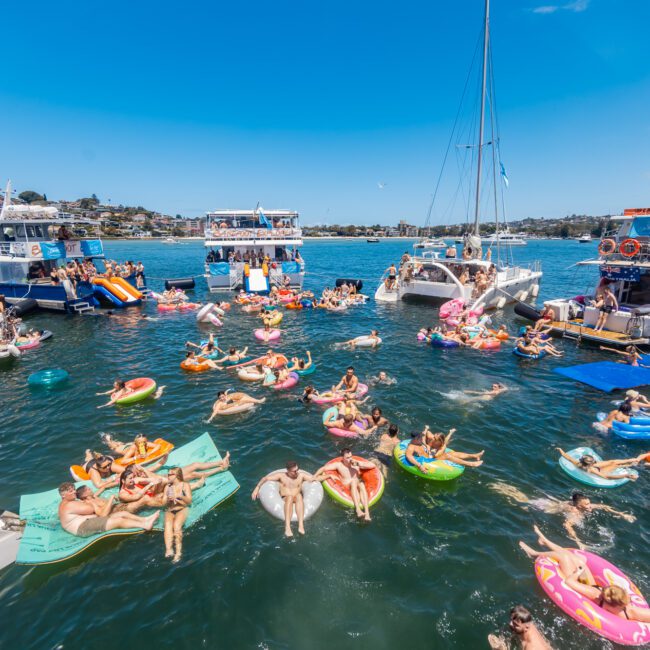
185, 107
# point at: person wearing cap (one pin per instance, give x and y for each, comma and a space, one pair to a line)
636, 400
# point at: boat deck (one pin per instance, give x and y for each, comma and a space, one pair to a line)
576, 330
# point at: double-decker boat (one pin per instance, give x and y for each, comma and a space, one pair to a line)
253, 250
427, 275
34, 241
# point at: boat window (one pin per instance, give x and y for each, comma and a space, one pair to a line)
20, 230
13, 272
8, 233
640, 227
34, 231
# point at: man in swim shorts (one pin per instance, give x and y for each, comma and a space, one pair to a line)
348, 384
79, 518
349, 473
574, 511
383, 452
291, 481
524, 629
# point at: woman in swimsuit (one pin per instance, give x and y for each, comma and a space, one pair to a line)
631, 354
437, 444
101, 468
605, 468
301, 364
135, 451
137, 492
178, 496
612, 599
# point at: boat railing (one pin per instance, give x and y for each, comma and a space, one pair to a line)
235, 234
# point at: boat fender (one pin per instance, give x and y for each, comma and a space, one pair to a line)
180, 283
24, 307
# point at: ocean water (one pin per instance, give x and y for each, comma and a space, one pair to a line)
438, 567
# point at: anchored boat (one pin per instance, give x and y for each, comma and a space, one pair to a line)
253, 250
427, 275
623, 265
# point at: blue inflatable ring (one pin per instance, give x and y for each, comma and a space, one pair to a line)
47, 377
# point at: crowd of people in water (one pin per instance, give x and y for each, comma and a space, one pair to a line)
137, 472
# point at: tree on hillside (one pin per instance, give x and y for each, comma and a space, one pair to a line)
89, 203
564, 231
30, 196
94, 198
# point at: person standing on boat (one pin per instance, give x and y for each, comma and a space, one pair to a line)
392, 277
607, 304
65, 281
450, 253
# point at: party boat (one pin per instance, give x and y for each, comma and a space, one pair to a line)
253, 250
623, 265
429, 276
31, 246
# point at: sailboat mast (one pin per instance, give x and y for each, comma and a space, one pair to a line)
482, 123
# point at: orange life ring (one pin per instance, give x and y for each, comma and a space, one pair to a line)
606, 247
629, 248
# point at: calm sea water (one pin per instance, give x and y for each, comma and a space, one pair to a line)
439, 566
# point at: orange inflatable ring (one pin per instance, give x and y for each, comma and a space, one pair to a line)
501, 336
606, 247
199, 366
164, 448
629, 248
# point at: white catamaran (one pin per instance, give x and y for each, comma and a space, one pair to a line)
428, 275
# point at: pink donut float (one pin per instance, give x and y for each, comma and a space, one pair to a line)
342, 433
28, 346
271, 335
362, 389
289, 382
590, 614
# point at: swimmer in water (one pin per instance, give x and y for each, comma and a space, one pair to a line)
383, 452
193, 360
524, 630
631, 354
347, 423
382, 378
574, 511
487, 395
301, 364
636, 400
135, 451
377, 418
349, 382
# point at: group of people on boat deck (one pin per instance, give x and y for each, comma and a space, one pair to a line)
255, 259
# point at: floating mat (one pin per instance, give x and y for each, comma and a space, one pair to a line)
45, 542
608, 375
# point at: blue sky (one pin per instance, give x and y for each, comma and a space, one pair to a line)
185, 107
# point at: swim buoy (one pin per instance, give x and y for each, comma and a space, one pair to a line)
47, 377
273, 503
372, 478
142, 387
629, 248
606, 247
199, 365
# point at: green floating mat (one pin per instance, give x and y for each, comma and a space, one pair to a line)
45, 542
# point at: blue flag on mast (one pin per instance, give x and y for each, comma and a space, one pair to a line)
263, 220
505, 176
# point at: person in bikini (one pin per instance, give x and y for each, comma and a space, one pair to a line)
233, 356
437, 444
620, 414
301, 364
226, 400
383, 452
604, 468
80, 518
636, 400
291, 481
631, 354
348, 471
577, 576
347, 423
178, 499
131, 452
574, 510
193, 360
101, 469
349, 382
120, 389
